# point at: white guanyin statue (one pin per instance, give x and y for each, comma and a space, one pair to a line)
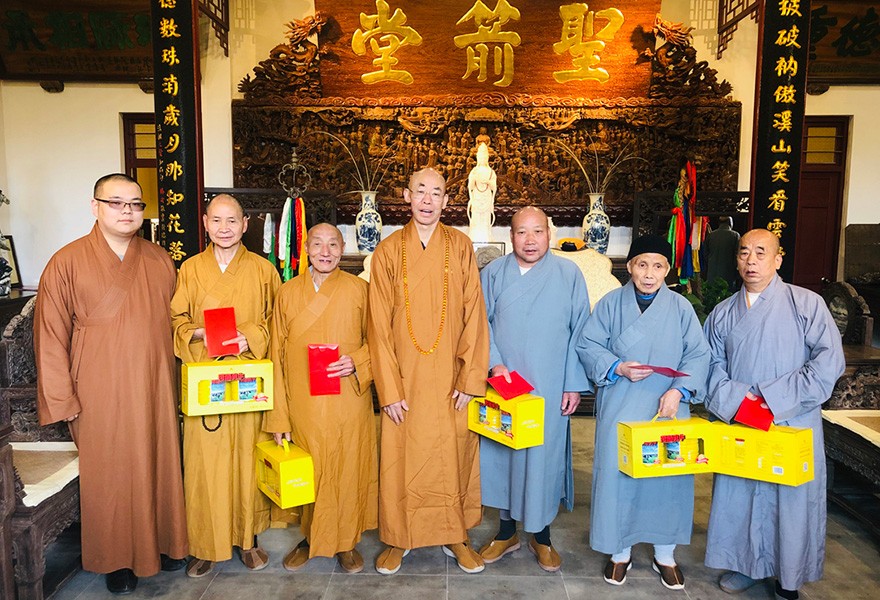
481, 190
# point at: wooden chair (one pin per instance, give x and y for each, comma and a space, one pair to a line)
33, 526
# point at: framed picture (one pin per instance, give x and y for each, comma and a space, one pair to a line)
487, 252
12, 259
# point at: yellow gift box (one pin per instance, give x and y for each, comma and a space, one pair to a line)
225, 386
782, 455
285, 473
517, 423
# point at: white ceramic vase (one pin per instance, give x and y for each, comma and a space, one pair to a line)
368, 223
597, 225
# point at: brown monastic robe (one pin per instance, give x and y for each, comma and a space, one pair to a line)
224, 508
102, 342
429, 469
338, 431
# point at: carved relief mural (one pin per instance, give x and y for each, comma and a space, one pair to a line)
685, 115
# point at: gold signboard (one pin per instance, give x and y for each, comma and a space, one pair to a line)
392, 48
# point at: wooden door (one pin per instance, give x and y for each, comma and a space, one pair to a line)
820, 201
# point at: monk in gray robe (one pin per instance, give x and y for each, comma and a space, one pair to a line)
529, 484
776, 342
642, 323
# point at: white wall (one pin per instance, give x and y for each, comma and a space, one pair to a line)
56, 146
863, 162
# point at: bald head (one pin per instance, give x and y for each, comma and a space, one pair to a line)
225, 200
758, 259
427, 174
530, 235
530, 212
325, 230
765, 238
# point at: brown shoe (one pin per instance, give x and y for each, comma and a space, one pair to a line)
255, 559
388, 563
199, 568
615, 573
468, 560
670, 577
297, 558
497, 549
548, 558
351, 561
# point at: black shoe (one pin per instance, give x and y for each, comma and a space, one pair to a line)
123, 581
172, 564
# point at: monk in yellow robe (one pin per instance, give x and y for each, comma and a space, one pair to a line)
224, 508
429, 348
105, 365
327, 306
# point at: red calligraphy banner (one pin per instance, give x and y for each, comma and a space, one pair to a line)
402, 48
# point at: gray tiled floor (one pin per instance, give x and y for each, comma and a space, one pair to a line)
852, 568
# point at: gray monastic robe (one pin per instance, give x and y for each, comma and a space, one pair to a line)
626, 511
787, 349
534, 323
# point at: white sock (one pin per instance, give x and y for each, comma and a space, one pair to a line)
664, 554
622, 556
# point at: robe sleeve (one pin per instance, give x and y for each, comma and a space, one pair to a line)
575, 375
802, 390
386, 369
472, 354
277, 420
723, 394
363, 372
695, 356
182, 323
595, 339
257, 332
487, 279
53, 345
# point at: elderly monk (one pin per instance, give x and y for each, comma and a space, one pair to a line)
429, 348
105, 365
773, 343
328, 306
528, 485
224, 508
642, 323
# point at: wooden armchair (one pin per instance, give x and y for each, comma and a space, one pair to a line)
45, 468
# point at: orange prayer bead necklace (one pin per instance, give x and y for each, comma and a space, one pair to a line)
407, 309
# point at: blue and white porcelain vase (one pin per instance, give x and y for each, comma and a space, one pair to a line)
368, 223
597, 225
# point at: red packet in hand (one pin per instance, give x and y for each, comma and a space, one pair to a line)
219, 327
517, 385
321, 355
751, 413
665, 371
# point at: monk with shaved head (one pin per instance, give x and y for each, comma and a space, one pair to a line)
777, 345
327, 306
224, 509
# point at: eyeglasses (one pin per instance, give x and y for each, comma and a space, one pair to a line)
118, 204
419, 195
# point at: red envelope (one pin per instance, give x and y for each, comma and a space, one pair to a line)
219, 327
321, 355
665, 371
751, 413
516, 387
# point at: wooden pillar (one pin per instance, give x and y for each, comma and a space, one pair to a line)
780, 96
178, 125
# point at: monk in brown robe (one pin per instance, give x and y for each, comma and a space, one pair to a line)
102, 342
429, 348
224, 508
327, 306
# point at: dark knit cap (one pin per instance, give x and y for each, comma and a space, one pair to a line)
650, 243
